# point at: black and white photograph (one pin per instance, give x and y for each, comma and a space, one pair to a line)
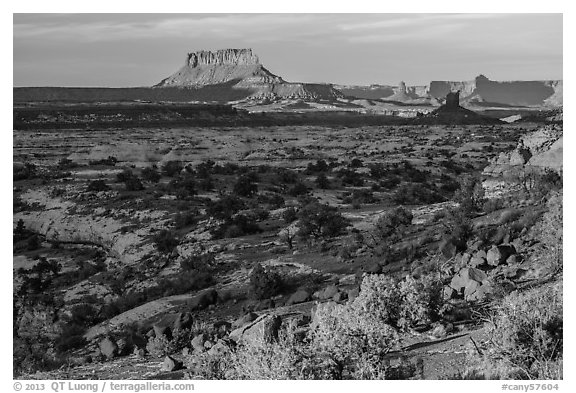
287, 196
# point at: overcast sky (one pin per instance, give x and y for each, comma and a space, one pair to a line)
119, 50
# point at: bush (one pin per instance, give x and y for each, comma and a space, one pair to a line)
151, 174
552, 230
97, 186
526, 337
323, 182
172, 168
264, 283
289, 215
245, 186
166, 241
319, 220
225, 207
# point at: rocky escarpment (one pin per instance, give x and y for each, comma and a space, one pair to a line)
540, 150
482, 90
241, 69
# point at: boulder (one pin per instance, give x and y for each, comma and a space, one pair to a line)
261, 331
498, 254
162, 330
478, 292
108, 348
219, 348
374, 268
170, 364
203, 300
327, 293
476, 261
448, 248
513, 259
448, 292
300, 296
244, 319
197, 342
222, 326
464, 278
340, 297
183, 321
353, 294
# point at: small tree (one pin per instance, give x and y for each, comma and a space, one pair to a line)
318, 220
322, 181
166, 241
245, 186
264, 283
151, 174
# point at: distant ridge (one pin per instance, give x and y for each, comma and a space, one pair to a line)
480, 91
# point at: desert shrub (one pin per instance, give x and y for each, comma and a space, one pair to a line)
133, 184
319, 166
351, 178
166, 241
151, 174
110, 161
225, 207
393, 221
319, 220
526, 337
236, 226
184, 219
184, 186
172, 168
70, 337
264, 283
322, 181
297, 189
552, 230
491, 205
289, 215
470, 195
159, 346
245, 186
416, 194
97, 186
28, 171
273, 199
33, 243
202, 262
286, 176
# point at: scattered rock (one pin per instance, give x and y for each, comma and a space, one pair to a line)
183, 321
219, 348
466, 276
162, 330
448, 248
374, 268
353, 294
340, 297
477, 261
498, 254
261, 331
300, 296
327, 292
197, 342
448, 292
203, 300
243, 320
479, 292
139, 352
108, 348
170, 364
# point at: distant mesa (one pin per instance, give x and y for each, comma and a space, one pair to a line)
480, 92
452, 113
241, 69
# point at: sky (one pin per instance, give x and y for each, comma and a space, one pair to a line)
123, 50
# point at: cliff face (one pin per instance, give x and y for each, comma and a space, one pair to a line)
519, 93
479, 91
241, 69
